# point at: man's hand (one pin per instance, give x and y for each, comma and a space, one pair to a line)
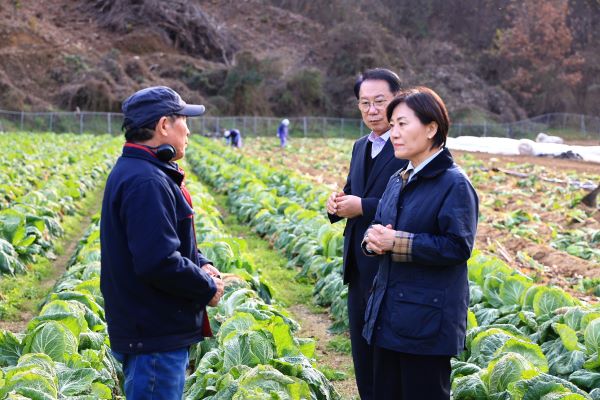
216, 276
331, 202
211, 270
220, 288
379, 238
348, 206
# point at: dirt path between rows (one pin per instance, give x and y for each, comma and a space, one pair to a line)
59, 266
315, 326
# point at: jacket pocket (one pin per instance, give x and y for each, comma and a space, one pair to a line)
416, 312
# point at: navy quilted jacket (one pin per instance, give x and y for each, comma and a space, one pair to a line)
420, 307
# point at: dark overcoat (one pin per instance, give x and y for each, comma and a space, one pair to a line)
369, 189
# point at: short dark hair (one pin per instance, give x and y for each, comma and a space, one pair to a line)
378, 74
146, 132
428, 107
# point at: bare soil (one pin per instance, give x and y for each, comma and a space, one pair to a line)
314, 172
18, 325
562, 269
315, 326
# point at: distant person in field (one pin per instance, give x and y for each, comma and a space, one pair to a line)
371, 166
155, 282
282, 132
422, 236
227, 136
235, 138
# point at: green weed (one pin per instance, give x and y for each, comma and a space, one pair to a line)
340, 343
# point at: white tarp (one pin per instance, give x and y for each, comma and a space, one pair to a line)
496, 145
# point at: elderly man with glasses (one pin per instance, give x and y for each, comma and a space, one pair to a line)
371, 166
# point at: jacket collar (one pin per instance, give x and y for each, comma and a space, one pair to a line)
133, 150
385, 156
439, 164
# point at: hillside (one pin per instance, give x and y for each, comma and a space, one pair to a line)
249, 57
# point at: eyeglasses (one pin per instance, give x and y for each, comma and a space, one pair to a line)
379, 104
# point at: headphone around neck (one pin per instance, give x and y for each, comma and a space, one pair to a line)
164, 152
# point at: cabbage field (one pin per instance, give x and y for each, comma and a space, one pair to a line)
534, 319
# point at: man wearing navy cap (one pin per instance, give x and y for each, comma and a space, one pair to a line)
155, 282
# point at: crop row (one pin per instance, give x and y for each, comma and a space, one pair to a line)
44, 179
38, 162
64, 351
254, 353
525, 340
304, 235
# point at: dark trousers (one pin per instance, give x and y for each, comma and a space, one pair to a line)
401, 376
362, 352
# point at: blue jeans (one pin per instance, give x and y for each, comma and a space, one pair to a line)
154, 376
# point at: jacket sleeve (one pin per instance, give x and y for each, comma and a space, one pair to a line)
347, 188
376, 220
202, 259
369, 206
457, 224
150, 218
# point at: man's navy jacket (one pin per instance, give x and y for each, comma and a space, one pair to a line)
155, 292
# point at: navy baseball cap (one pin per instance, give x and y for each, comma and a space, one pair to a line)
150, 104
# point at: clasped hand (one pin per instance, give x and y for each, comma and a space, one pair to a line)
216, 276
344, 205
380, 239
